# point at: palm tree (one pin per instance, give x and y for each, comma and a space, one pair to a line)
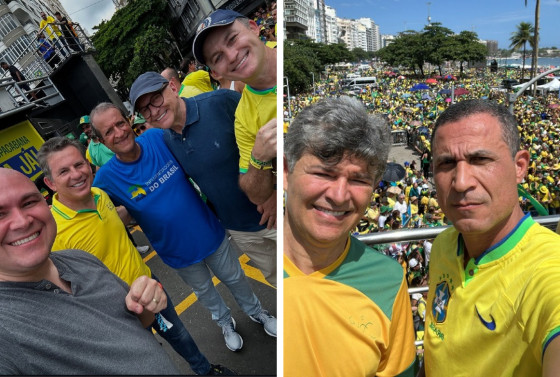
535, 55
519, 39
535, 45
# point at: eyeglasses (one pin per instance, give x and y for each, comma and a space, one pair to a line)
138, 130
155, 101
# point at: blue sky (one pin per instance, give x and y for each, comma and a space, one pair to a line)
490, 19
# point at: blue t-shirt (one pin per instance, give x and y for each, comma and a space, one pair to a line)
155, 191
208, 152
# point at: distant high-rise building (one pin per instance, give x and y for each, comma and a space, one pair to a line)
331, 25
120, 3
317, 22
296, 18
387, 39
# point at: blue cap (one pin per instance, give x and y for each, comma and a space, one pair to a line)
220, 17
148, 82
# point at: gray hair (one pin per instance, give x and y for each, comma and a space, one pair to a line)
100, 109
56, 144
335, 128
463, 109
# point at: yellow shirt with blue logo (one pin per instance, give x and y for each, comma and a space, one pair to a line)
496, 316
352, 318
101, 233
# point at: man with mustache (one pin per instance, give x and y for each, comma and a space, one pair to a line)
494, 299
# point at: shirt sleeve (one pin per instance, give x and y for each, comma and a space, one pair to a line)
399, 358
245, 139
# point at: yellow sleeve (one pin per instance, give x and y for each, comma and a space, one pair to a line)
244, 136
399, 359
88, 156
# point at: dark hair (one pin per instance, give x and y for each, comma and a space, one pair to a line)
463, 109
55, 144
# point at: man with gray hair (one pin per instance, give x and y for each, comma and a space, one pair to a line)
346, 307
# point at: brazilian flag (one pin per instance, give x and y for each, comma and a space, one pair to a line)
538, 206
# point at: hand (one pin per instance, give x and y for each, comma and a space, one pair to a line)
268, 212
146, 294
264, 148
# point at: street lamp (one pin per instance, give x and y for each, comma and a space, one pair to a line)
313, 76
287, 86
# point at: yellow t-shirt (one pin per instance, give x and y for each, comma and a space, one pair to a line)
496, 316
101, 233
52, 30
362, 300
195, 83
255, 109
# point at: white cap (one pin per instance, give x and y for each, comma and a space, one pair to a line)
416, 296
413, 263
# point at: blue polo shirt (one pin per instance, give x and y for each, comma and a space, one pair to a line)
207, 151
155, 191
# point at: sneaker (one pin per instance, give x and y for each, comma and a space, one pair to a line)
233, 340
268, 321
143, 249
220, 370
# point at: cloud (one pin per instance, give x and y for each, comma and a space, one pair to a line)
89, 13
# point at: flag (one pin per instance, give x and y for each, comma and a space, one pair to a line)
538, 206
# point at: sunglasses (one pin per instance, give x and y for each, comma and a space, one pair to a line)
138, 129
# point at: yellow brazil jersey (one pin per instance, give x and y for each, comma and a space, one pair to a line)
352, 318
101, 233
255, 109
496, 316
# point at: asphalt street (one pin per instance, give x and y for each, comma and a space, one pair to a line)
258, 355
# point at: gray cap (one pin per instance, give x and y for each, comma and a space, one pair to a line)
148, 82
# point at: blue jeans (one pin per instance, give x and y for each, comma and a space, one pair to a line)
179, 338
225, 265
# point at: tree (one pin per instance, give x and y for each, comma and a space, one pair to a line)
144, 57
519, 39
407, 50
436, 37
465, 47
359, 54
115, 41
300, 60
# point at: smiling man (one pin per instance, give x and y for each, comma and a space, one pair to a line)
229, 44
494, 289
66, 313
148, 181
87, 220
347, 310
209, 155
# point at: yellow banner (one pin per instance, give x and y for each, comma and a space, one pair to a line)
18, 149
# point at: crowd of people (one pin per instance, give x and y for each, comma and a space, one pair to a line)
412, 202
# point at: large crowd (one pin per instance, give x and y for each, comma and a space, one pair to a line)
412, 108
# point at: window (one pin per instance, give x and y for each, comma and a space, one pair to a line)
7, 24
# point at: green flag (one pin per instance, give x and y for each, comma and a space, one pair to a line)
538, 206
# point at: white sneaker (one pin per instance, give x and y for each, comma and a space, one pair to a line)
268, 321
233, 340
142, 249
